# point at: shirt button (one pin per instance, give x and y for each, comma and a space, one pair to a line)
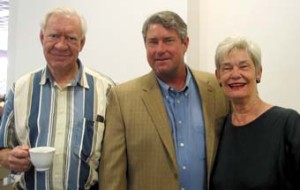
178, 101
182, 188
181, 144
184, 167
179, 121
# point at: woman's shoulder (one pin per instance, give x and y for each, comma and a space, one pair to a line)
281, 111
287, 117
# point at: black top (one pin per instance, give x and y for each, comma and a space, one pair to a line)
264, 154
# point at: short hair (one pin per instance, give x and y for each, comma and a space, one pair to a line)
167, 19
65, 11
239, 43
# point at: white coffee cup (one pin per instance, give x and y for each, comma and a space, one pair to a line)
42, 157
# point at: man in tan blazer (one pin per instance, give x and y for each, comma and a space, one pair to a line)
161, 129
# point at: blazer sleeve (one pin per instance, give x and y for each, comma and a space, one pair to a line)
113, 163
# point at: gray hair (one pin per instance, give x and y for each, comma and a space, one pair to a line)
65, 11
169, 20
239, 43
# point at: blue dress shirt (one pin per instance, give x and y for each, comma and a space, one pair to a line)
184, 110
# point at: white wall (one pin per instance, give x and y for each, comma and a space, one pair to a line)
114, 43
273, 24
115, 46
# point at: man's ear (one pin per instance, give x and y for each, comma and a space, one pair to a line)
41, 36
82, 42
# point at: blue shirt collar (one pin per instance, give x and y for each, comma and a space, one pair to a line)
165, 88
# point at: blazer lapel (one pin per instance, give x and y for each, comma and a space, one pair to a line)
154, 103
208, 108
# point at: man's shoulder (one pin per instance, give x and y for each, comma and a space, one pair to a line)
138, 82
30, 76
205, 77
202, 74
132, 89
98, 76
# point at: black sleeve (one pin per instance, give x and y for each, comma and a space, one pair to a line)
292, 140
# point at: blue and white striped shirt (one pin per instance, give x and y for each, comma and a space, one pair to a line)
38, 112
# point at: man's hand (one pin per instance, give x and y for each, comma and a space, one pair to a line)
18, 159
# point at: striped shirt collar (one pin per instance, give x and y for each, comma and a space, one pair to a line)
80, 79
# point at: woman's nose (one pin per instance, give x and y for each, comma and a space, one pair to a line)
235, 73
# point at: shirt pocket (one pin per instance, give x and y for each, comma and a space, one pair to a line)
85, 135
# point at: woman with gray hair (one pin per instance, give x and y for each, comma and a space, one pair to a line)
259, 145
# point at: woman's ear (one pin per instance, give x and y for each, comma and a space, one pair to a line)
258, 74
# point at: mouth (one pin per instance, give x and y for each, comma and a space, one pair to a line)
60, 54
236, 85
161, 59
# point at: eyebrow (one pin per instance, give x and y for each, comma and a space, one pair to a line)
240, 62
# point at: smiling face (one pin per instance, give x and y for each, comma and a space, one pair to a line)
165, 51
238, 75
62, 41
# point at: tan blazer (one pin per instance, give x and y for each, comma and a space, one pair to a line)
138, 151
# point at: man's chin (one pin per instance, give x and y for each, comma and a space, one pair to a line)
57, 65
60, 61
